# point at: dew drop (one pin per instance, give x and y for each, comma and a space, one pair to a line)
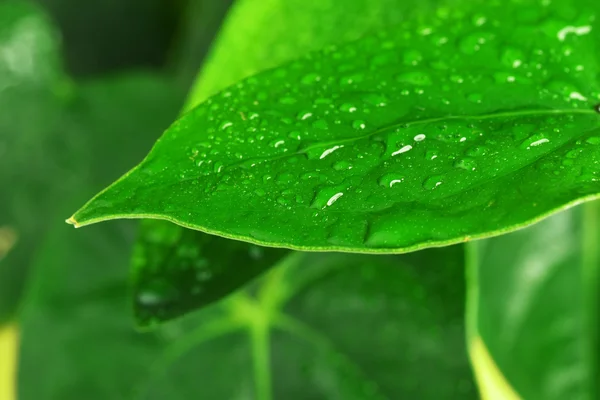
267, 178
420, 137
431, 154
310, 175
468, 164
577, 30
389, 180
412, 57
359, 124
574, 153
326, 197
328, 152
475, 98
404, 149
310, 78
534, 141
283, 201
512, 57
432, 182
295, 135
225, 125
334, 198
218, 167
304, 115
477, 151
577, 96
347, 107
277, 143
378, 100
351, 79
593, 140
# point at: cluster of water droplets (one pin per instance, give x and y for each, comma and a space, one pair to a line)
395, 118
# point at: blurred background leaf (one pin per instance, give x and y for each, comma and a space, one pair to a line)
355, 327
32, 95
533, 300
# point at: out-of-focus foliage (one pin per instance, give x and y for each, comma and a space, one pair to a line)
534, 302
34, 147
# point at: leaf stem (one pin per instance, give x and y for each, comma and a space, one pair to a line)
472, 298
261, 356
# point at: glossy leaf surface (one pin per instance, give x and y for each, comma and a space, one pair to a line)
302, 335
392, 143
534, 297
243, 48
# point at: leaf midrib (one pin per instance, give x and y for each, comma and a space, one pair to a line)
406, 124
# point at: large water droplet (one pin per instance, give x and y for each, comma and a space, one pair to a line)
358, 124
348, 107
433, 182
593, 140
534, 141
477, 151
304, 115
310, 78
431, 154
326, 197
389, 180
226, 124
404, 149
329, 151
375, 99
466, 163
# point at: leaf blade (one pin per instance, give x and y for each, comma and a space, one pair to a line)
516, 121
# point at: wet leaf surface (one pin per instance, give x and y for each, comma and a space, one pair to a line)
399, 141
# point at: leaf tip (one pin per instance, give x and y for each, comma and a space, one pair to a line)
72, 221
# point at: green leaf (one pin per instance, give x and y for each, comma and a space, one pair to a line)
236, 56
246, 45
534, 301
337, 326
32, 93
178, 270
396, 142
